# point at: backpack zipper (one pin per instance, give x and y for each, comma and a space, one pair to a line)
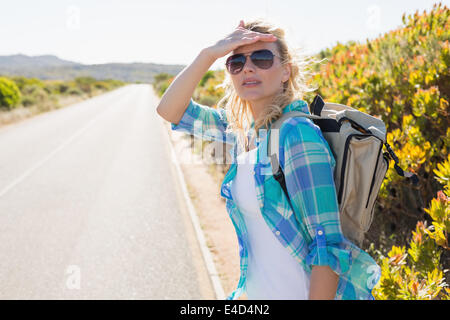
374, 173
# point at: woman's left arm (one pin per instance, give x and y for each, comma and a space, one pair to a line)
323, 283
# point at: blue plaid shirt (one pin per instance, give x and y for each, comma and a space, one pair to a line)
311, 232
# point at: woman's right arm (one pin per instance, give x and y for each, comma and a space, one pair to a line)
175, 100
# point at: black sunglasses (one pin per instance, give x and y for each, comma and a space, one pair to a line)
263, 59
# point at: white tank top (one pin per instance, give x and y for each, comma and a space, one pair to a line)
273, 274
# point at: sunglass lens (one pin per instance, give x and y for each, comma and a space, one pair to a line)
262, 58
235, 63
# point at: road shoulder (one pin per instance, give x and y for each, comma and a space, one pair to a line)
204, 192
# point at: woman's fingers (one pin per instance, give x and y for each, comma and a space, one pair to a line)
268, 37
239, 37
253, 34
260, 37
249, 40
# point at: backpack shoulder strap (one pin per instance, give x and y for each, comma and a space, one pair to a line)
273, 147
274, 136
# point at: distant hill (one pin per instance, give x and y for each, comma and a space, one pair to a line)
51, 67
24, 61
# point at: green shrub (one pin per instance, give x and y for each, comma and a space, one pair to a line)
34, 94
418, 273
56, 87
85, 84
63, 88
207, 100
74, 92
209, 74
161, 82
28, 101
21, 82
161, 77
113, 83
101, 85
9, 93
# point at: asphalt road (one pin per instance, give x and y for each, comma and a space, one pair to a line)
90, 207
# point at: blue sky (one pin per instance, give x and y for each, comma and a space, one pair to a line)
174, 32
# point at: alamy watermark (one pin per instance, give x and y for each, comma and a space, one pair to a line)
73, 20
373, 22
73, 281
221, 147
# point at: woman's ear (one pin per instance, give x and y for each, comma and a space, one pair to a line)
286, 72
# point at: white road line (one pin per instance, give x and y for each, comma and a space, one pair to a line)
207, 256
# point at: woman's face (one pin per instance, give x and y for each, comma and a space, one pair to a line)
270, 81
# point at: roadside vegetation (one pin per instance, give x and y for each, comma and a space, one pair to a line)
22, 97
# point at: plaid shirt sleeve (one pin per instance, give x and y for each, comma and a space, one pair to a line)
308, 165
205, 123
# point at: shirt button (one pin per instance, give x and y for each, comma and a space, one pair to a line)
277, 233
320, 232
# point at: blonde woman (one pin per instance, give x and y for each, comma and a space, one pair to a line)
289, 249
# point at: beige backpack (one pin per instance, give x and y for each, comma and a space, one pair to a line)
356, 140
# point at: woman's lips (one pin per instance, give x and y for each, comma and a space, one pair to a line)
251, 85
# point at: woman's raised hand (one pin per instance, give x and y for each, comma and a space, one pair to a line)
239, 37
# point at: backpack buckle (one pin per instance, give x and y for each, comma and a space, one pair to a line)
408, 175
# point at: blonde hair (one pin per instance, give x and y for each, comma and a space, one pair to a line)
238, 110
